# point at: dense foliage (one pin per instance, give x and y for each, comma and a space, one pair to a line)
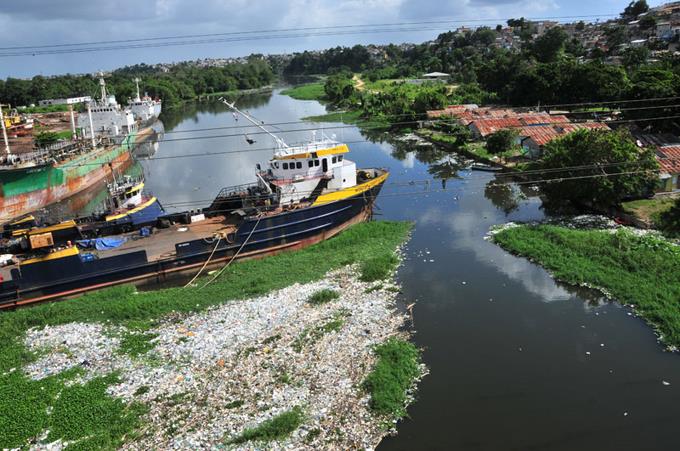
616, 168
183, 81
501, 141
669, 220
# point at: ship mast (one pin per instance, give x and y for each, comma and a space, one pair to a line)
102, 83
137, 80
4, 132
279, 142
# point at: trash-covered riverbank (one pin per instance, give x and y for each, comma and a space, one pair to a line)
209, 376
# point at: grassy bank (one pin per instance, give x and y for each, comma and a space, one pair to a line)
393, 375
22, 417
309, 91
351, 118
649, 210
642, 271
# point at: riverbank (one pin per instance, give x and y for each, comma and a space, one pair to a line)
309, 91
179, 367
641, 270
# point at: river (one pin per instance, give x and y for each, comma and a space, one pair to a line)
516, 360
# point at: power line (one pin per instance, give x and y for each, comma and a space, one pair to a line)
276, 124
385, 126
440, 21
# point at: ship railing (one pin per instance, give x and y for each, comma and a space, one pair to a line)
235, 190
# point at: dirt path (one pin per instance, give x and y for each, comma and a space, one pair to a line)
358, 83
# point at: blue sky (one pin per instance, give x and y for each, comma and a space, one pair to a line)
40, 22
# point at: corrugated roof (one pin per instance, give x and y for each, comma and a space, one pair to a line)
669, 159
486, 127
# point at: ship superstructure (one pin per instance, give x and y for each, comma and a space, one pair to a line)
144, 108
106, 117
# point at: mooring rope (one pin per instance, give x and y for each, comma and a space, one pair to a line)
219, 238
219, 273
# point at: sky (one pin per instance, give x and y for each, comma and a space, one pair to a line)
49, 22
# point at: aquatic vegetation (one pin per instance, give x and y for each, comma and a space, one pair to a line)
275, 428
323, 297
393, 375
309, 91
25, 403
640, 270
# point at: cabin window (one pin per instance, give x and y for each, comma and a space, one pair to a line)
298, 165
285, 165
335, 160
310, 163
339, 157
316, 162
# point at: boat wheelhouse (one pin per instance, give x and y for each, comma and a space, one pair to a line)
307, 193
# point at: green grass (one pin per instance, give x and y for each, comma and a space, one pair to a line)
392, 376
23, 402
136, 344
276, 428
378, 268
44, 109
649, 210
309, 91
352, 117
643, 271
84, 414
323, 297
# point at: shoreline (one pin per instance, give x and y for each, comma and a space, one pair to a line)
202, 369
646, 298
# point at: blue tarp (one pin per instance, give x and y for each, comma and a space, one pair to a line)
102, 244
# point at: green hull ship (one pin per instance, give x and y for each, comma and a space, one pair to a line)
26, 189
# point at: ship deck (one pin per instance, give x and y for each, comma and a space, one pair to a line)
161, 244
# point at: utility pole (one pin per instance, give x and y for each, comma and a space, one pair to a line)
4, 132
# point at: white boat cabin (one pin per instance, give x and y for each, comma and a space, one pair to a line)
319, 166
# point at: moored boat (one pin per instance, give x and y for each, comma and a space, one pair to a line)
306, 194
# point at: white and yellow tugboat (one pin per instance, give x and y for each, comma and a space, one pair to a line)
306, 193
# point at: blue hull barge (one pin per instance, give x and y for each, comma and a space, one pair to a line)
307, 193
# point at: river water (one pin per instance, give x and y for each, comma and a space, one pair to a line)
517, 361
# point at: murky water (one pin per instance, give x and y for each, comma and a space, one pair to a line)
517, 361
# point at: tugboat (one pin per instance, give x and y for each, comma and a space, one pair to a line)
307, 193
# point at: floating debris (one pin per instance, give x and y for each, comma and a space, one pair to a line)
212, 374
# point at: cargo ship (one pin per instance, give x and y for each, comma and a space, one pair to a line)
306, 193
32, 180
145, 109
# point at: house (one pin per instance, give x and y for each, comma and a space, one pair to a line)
534, 138
668, 158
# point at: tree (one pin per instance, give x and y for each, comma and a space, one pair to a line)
580, 26
501, 141
635, 8
548, 47
634, 57
647, 22
616, 168
669, 220
339, 87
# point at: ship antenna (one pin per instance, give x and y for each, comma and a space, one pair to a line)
279, 142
